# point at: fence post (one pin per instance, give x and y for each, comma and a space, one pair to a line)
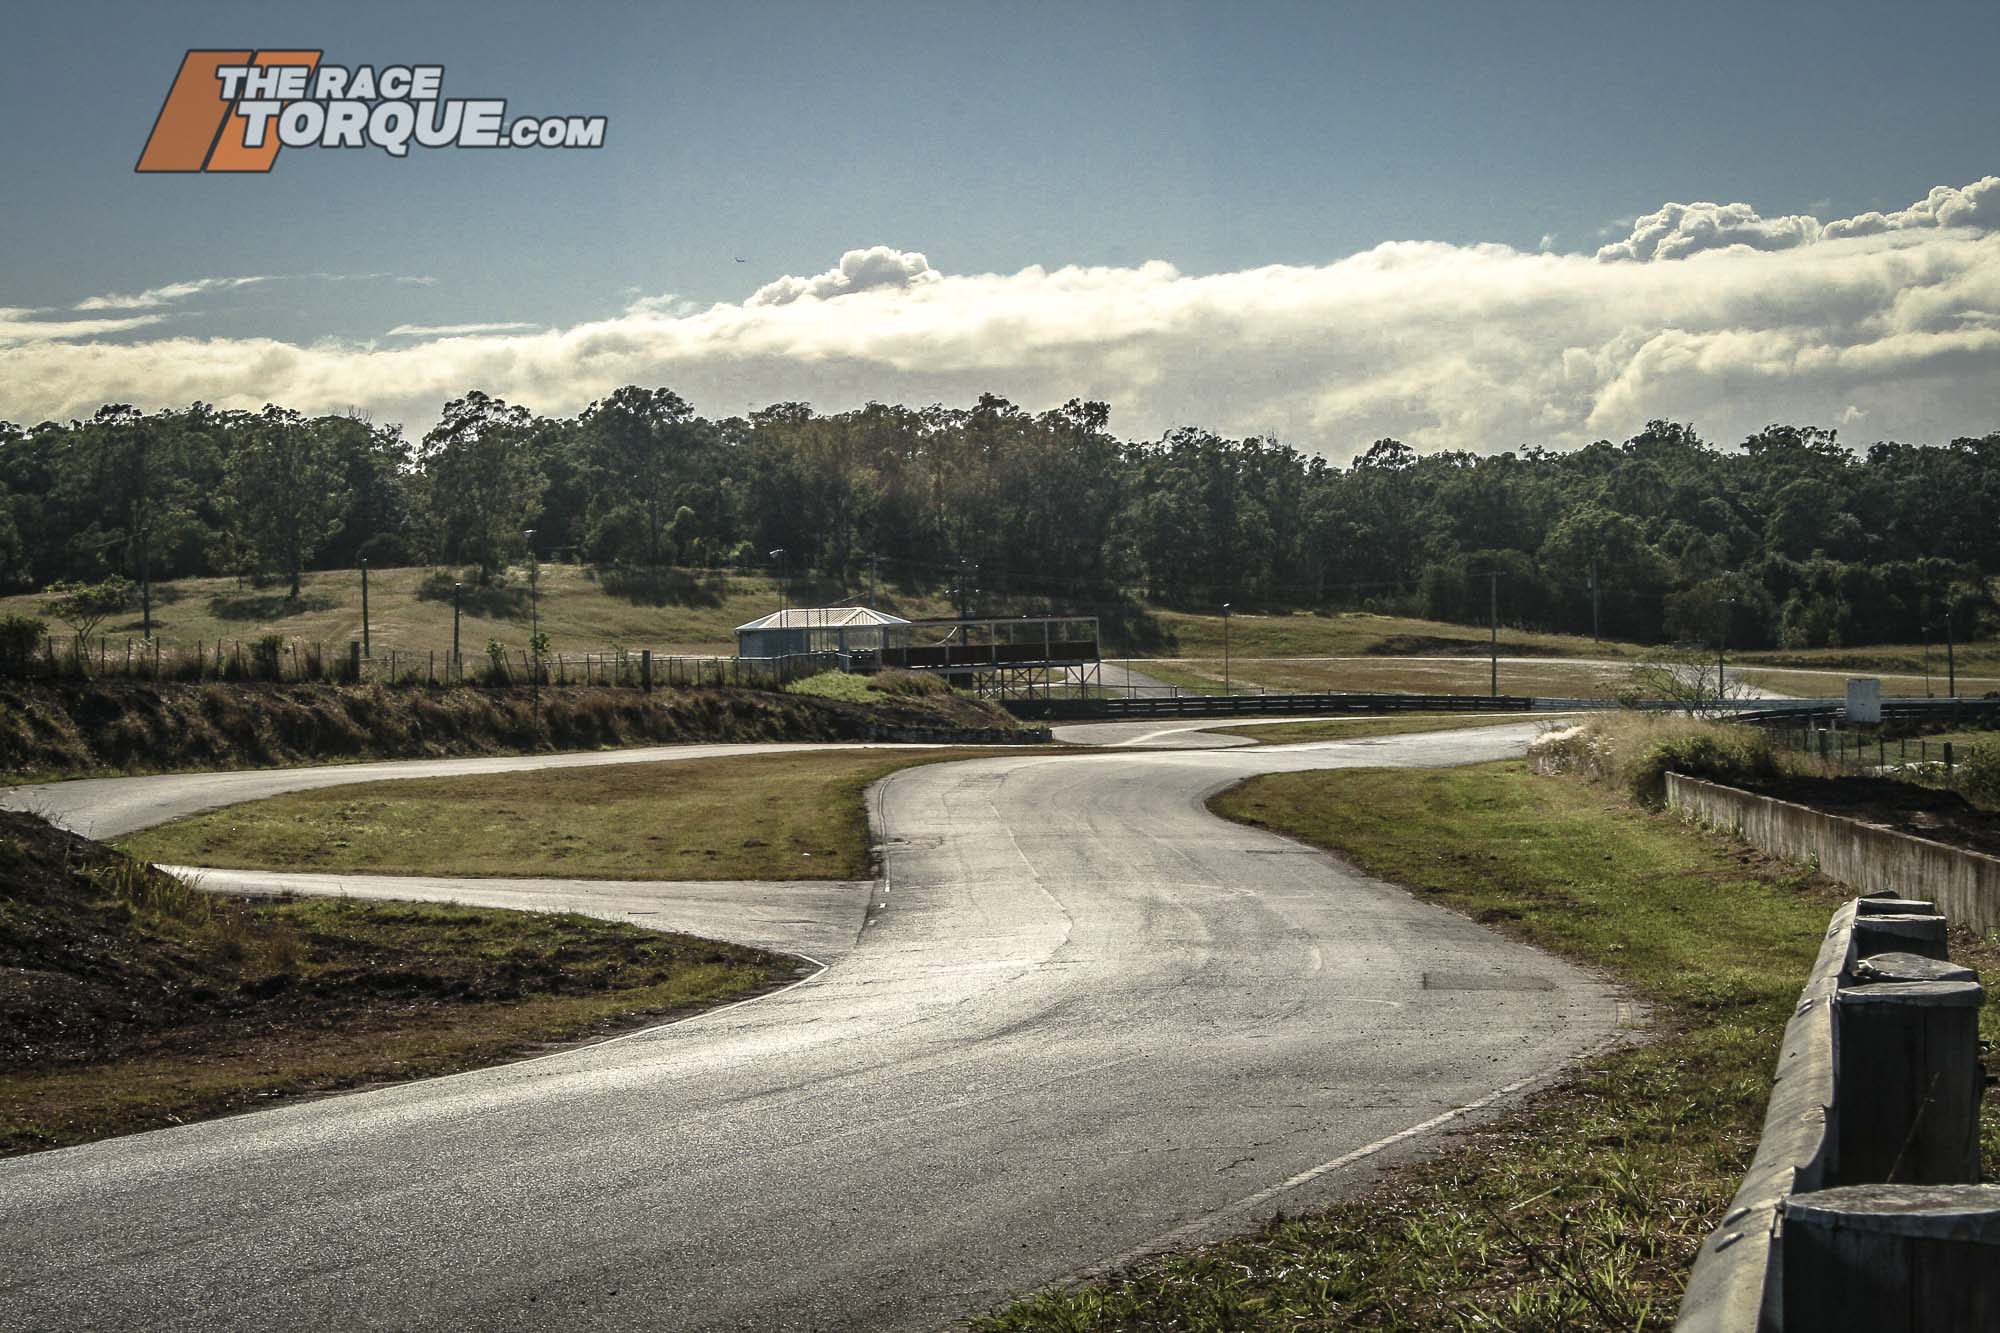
646, 670
354, 661
1947, 763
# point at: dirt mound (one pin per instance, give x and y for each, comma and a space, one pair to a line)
129, 1000
1927, 812
1434, 645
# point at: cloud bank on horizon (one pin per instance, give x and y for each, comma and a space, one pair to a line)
1885, 323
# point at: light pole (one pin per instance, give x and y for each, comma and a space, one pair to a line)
1594, 638
535, 631
1493, 643
1927, 658
367, 649
1722, 651
1950, 656
1226, 688
778, 559
457, 665
964, 590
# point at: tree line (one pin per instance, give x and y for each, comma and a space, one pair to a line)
1788, 538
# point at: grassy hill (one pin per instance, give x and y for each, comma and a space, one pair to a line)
695, 611
584, 610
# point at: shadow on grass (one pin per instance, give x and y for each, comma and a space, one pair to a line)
664, 586
255, 606
502, 599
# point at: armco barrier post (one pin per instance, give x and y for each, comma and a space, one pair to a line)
1909, 1082
1892, 1259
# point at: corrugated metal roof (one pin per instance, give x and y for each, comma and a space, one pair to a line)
821, 617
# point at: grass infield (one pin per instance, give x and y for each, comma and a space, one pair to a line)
798, 815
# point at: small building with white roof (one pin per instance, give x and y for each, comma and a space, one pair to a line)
815, 629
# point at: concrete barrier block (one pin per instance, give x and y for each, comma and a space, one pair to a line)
1907, 933
1887, 904
1892, 1259
1908, 1081
1909, 967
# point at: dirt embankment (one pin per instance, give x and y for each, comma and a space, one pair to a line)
64, 729
129, 1000
1927, 812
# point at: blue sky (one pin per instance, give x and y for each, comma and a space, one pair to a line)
1216, 138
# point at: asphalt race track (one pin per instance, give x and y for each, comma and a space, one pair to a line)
1079, 1018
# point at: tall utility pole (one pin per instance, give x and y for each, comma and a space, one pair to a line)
535, 632
1225, 650
1493, 615
457, 666
1593, 601
778, 559
367, 649
966, 572
1722, 652
1950, 657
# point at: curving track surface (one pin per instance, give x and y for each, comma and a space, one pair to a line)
1079, 1017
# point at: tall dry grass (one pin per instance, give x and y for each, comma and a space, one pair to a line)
1635, 751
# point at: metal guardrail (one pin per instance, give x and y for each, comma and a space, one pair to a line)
1247, 705
1893, 710
1115, 708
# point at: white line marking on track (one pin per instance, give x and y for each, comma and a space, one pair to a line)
1229, 1212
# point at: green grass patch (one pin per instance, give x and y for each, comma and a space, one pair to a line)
871, 689
1583, 1209
1341, 633
1461, 674
799, 815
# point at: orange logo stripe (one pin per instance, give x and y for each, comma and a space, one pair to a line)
193, 112
231, 152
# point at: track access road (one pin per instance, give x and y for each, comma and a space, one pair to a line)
1080, 1017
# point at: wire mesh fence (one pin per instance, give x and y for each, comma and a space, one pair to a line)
1841, 750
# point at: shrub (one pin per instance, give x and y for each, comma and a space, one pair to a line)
833, 685
267, 657
910, 684
1637, 751
1979, 774
150, 892
83, 606
20, 636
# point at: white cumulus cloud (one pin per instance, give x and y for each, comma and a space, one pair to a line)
1891, 329
1679, 230
873, 269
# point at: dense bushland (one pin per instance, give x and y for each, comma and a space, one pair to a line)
1788, 539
